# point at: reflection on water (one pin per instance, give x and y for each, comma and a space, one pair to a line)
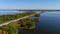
49, 23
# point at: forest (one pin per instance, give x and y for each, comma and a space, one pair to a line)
27, 23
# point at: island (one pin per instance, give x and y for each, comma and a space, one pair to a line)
10, 23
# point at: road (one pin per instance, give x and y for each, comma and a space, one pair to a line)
6, 23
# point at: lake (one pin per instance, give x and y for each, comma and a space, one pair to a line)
10, 12
49, 23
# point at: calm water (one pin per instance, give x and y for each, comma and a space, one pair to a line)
49, 23
10, 12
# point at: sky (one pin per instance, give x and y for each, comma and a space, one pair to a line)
29, 4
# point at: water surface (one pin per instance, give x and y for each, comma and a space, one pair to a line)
10, 12
49, 23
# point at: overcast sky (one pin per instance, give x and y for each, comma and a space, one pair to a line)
29, 4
